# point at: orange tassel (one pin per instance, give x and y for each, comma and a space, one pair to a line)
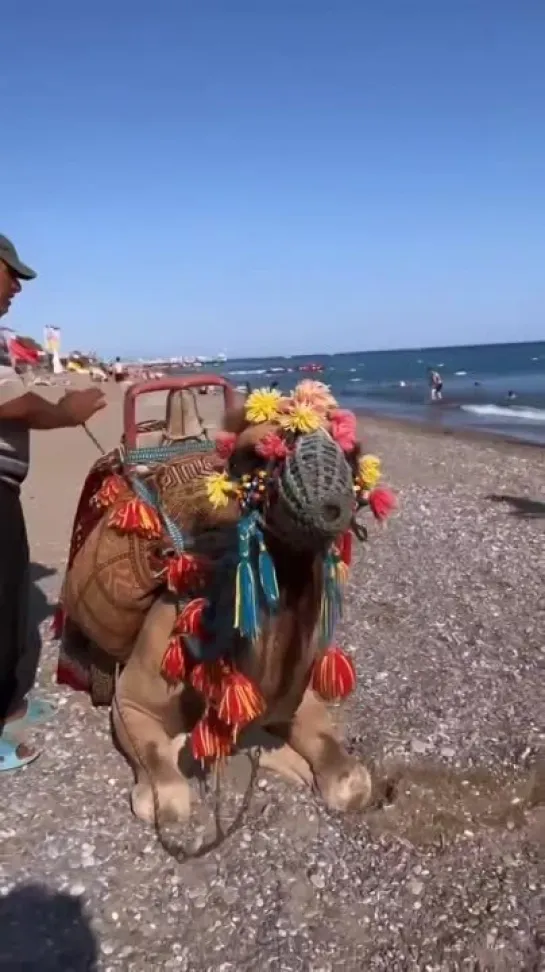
190, 619
110, 491
135, 516
211, 739
333, 675
174, 666
185, 572
241, 701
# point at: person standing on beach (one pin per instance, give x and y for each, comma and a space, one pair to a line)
20, 411
436, 385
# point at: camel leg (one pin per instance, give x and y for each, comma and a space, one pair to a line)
148, 723
342, 781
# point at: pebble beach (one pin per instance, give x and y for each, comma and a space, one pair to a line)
445, 620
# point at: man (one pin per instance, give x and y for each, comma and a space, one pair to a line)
20, 411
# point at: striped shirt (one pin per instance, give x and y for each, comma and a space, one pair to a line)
14, 435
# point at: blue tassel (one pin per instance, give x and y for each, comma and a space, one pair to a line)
267, 574
331, 608
246, 611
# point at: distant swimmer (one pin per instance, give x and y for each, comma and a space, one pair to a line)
511, 394
436, 385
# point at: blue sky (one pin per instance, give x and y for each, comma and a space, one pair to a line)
287, 176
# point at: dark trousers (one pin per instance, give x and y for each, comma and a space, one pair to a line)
14, 600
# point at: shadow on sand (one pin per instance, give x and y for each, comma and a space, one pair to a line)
521, 506
45, 930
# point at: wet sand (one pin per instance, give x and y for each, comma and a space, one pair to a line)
445, 617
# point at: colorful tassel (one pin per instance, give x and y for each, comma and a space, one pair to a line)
241, 701
174, 667
246, 619
190, 619
267, 574
331, 607
344, 544
185, 572
211, 739
110, 491
382, 502
135, 516
333, 675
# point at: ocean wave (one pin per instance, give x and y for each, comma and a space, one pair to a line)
507, 412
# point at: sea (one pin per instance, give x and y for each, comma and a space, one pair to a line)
498, 388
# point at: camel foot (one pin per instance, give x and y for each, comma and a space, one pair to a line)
173, 802
347, 791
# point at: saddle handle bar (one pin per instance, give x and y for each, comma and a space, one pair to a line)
168, 385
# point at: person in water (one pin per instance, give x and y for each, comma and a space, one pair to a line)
436, 385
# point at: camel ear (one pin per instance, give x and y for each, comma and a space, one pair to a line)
234, 420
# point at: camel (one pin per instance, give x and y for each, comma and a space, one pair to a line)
204, 585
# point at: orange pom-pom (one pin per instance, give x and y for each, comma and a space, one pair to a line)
382, 502
174, 667
185, 572
110, 491
241, 701
211, 739
135, 516
333, 675
190, 619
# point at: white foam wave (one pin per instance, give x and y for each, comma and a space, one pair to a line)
460, 372
252, 371
503, 411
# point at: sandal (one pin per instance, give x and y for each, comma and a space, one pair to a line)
37, 711
14, 755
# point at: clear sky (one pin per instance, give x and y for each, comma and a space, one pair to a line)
256, 176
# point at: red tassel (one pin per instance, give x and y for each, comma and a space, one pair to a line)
382, 502
57, 622
135, 516
110, 491
185, 572
211, 739
333, 675
241, 701
208, 679
174, 667
190, 619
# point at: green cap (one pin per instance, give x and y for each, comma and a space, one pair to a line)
9, 255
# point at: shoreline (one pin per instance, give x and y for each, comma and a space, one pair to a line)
498, 440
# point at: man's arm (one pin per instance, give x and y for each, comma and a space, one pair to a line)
19, 405
33, 411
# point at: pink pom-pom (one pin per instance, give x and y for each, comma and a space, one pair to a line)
343, 428
271, 446
382, 502
225, 444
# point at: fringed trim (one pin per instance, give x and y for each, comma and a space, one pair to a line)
211, 739
333, 675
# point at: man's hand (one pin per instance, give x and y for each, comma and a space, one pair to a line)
76, 407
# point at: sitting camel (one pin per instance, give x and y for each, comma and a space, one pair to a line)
209, 581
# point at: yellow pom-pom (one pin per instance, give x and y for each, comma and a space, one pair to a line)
262, 405
369, 471
301, 418
219, 488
